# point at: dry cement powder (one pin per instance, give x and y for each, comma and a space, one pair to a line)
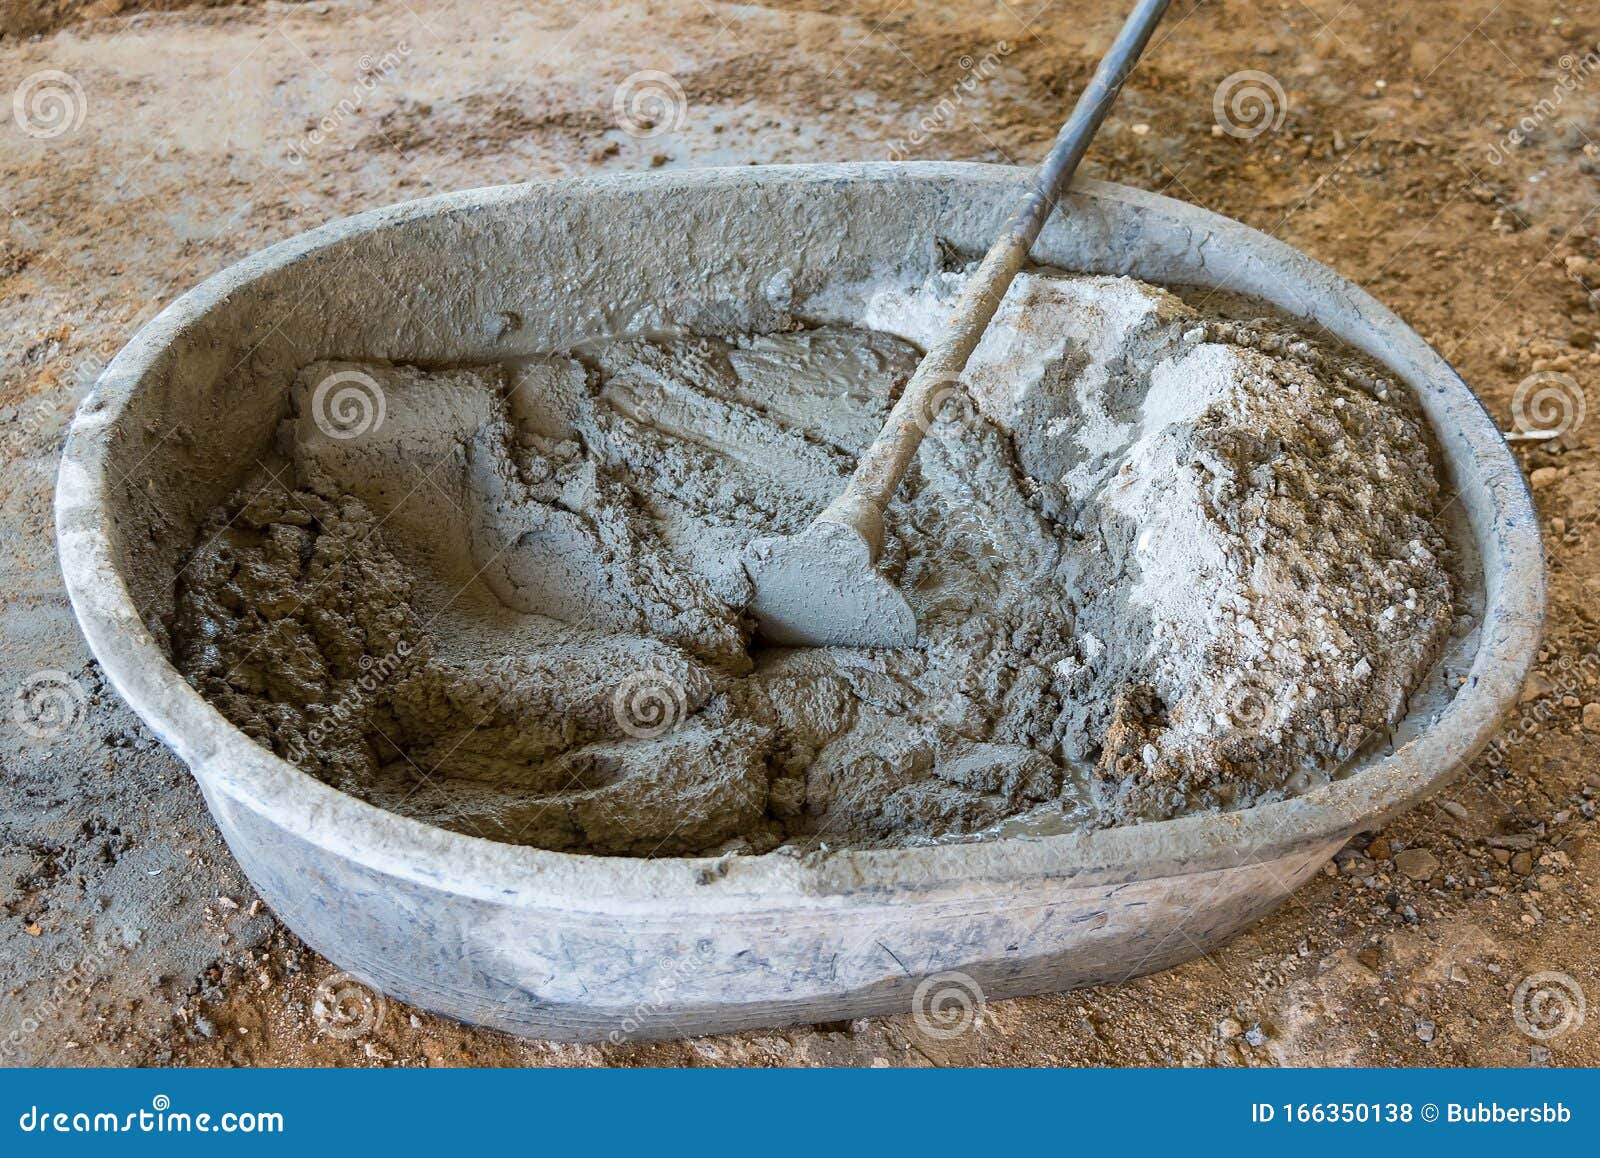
1161, 562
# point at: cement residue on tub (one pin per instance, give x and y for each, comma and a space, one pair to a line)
1163, 562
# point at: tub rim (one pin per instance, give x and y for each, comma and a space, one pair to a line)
233, 771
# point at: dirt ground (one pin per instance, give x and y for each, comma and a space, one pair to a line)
183, 139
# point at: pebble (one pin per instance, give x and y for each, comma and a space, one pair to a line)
1417, 863
1543, 477
1229, 1028
1255, 1035
1516, 841
1426, 1029
1378, 849
1522, 864
1591, 717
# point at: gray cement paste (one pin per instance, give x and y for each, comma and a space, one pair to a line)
1161, 560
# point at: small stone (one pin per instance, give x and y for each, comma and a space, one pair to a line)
1425, 1029
1454, 808
658, 159
1591, 717
1229, 1028
1537, 685
1141, 130
33, 930
1543, 477
1256, 1035
1417, 863
1378, 849
1516, 841
1522, 864
1501, 855
1581, 267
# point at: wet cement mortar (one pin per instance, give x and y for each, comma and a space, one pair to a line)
132, 936
1161, 562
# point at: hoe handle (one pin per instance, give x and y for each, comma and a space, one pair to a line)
883, 465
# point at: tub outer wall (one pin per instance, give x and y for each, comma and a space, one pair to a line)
585, 948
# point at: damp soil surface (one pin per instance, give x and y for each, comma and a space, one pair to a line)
1161, 561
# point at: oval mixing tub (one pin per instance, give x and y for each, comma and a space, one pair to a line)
580, 947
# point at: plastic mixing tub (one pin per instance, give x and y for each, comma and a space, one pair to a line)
579, 947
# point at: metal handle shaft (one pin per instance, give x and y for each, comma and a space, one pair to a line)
882, 467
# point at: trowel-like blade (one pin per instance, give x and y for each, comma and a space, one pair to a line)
820, 589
